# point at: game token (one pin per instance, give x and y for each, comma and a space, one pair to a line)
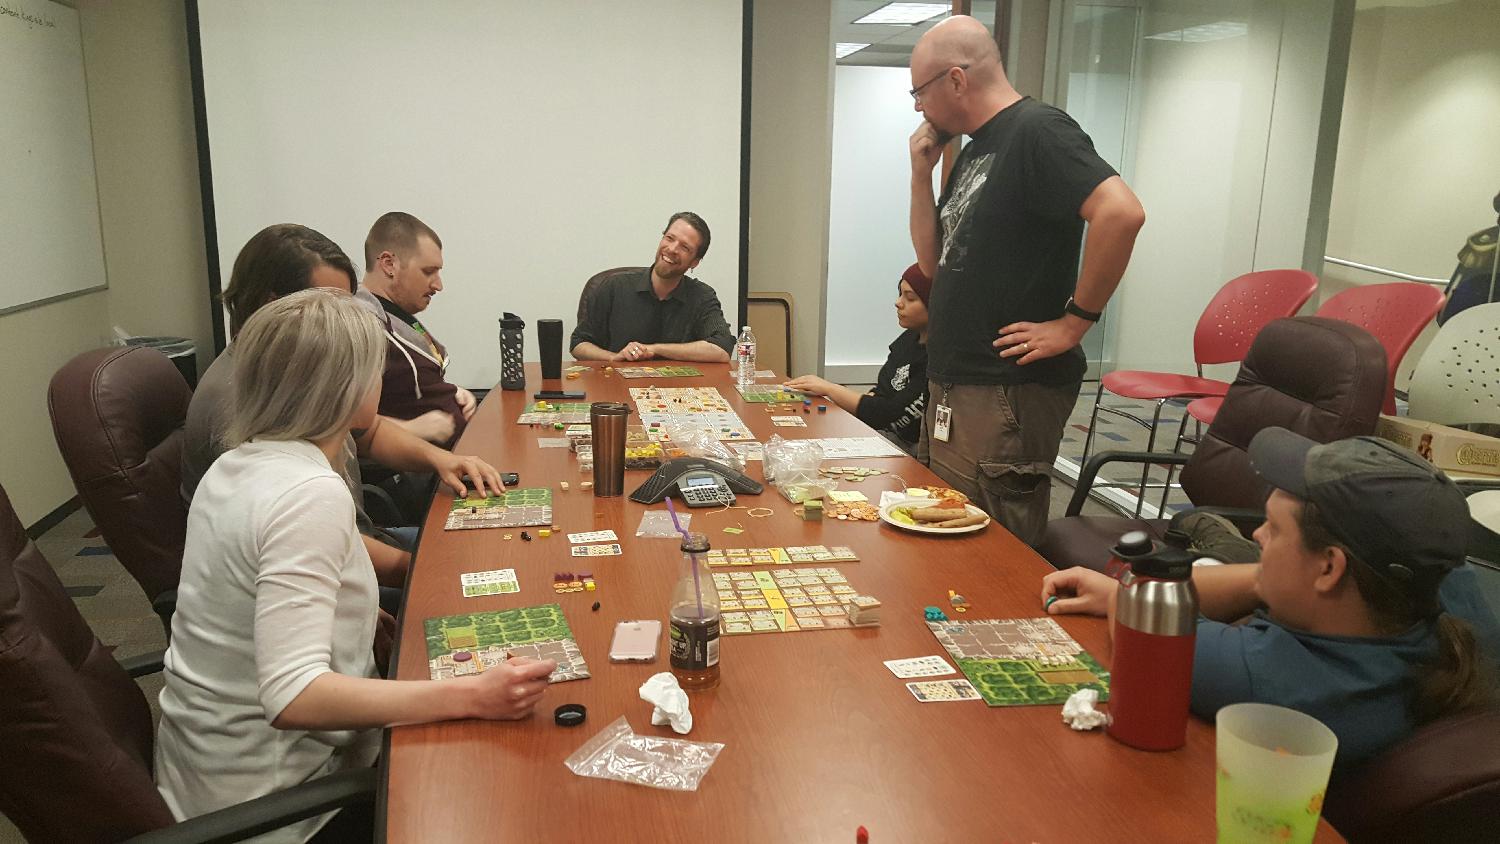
462, 656
544, 533
526, 537
596, 606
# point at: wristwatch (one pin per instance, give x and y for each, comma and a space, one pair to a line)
1073, 308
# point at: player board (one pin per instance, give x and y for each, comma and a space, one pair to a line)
782, 601
456, 642
768, 393
718, 558
851, 448
513, 508
700, 406
658, 371
552, 412
1020, 661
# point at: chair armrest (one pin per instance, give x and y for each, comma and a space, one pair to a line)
380, 506
164, 605
273, 811
142, 664
1091, 470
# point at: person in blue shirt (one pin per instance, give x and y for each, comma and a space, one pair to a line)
1346, 620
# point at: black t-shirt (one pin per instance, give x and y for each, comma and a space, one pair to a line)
900, 395
1010, 239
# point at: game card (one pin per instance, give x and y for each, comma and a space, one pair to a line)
592, 536
920, 666
551, 442
597, 550
937, 691
788, 422
499, 581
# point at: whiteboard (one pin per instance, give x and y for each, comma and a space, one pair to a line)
49, 199
543, 141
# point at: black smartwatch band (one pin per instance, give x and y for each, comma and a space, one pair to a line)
1073, 308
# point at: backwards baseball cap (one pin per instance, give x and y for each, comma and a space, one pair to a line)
920, 283
1390, 508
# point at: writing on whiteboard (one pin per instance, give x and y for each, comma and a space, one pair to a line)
30, 19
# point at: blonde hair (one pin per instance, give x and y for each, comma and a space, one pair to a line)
303, 365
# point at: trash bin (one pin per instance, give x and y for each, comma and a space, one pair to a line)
180, 350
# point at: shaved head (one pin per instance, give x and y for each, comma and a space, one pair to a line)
960, 41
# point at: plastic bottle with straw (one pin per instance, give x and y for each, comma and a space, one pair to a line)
694, 615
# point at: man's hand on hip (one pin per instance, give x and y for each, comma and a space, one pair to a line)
1033, 341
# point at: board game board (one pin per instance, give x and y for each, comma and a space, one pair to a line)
658, 371
850, 448
513, 508
717, 557
566, 412
1020, 661
782, 601
768, 393
700, 406
539, 632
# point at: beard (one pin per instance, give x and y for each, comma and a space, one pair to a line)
667, 272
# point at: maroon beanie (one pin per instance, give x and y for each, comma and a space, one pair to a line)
920, 283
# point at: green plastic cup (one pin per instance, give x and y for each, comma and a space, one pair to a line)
1273, 766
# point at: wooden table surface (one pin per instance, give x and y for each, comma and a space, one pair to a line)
820, 738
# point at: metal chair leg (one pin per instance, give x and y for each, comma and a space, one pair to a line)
1140, 499
1088, 440
1176, 449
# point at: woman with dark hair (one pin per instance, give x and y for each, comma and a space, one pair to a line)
283, 259
894, 406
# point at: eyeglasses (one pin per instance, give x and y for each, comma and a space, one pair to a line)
916, 93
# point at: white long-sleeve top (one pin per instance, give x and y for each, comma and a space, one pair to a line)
276, 589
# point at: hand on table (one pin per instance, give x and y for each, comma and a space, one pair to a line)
809, 384
434, 426
635, 351
510, 690
451, 468
1035, 341
1080, 591
466, 403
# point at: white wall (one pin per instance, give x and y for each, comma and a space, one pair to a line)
869, 240
1417, 164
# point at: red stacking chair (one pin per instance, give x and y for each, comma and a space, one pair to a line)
1395, 313
1224, 332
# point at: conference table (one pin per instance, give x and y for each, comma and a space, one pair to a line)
820, 738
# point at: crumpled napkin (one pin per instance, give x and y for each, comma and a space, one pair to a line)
670, 700
1079, 712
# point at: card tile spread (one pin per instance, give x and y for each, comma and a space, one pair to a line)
497, 582
514, 508
920, 666
612, 550
702, 406
658, 371
788, 422
938, 691
767, 393
552, 412
1020, 661
783, 600
720, 557
459, 645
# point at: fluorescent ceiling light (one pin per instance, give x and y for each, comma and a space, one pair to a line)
905, 14
1217, 31
841, 49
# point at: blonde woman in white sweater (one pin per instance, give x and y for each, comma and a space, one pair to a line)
270, 679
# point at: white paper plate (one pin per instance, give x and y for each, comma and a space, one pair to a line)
885, 516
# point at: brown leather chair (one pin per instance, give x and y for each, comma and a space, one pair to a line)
1322, 378
76, 732
593, 284
117, 414
1442, 784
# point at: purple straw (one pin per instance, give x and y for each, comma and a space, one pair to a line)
697, 587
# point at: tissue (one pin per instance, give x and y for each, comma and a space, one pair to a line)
671, 702
1079, 712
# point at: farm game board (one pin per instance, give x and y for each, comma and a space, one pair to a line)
658, 371
513, 508
1020, 661
459, 645
552, 412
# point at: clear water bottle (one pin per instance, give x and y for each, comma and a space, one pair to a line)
744, 357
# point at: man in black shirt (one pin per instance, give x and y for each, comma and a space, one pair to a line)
659, 312
1002, 247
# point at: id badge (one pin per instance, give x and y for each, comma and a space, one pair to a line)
942, 421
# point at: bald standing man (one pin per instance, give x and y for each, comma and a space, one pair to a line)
1009, 303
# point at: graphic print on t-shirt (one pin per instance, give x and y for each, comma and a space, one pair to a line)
903, 375
956, 210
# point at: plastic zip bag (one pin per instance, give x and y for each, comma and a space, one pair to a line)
616, 753
658, 523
